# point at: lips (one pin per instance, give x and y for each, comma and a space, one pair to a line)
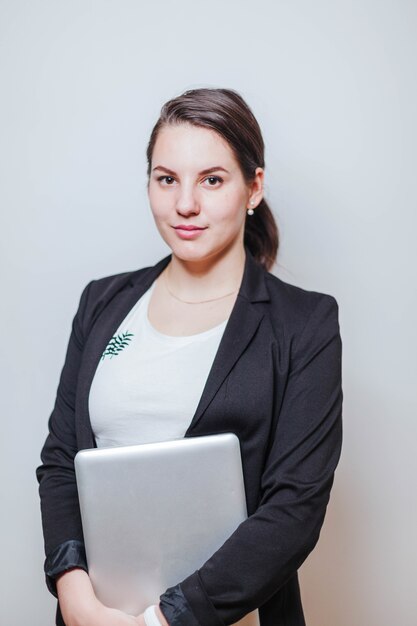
189, 232
189, 227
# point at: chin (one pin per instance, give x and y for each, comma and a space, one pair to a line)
190, 253
198, 253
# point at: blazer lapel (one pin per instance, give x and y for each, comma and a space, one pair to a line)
241, 327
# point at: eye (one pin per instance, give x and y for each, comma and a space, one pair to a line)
168, 179
213, 180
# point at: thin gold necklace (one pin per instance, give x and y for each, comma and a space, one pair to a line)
195, 302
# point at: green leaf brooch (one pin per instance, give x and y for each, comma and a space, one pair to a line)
116, 344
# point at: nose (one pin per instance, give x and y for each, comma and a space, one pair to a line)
187, 201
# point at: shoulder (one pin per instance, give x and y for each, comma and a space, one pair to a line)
106, 286
101, 292
293, 309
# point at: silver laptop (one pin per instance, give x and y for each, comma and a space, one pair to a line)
154, 513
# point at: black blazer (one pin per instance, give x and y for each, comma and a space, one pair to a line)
276, 383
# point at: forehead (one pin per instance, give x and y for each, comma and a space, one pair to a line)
192, 146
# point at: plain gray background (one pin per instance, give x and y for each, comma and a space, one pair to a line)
333, 85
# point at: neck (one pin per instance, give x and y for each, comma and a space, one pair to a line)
206, 278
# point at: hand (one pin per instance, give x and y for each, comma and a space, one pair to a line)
80, 607
100, 615
105, 616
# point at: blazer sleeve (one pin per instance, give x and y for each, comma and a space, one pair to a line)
61, 519
267, 549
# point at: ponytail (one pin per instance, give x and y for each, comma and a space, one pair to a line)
261, 235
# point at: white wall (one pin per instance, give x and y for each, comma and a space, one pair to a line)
333, 86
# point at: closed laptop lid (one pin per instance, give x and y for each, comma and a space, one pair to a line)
154, 513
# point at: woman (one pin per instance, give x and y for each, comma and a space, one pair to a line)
239, 350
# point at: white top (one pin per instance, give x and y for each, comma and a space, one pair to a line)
147, 385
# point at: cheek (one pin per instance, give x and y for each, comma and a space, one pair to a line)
232, 209
158, 203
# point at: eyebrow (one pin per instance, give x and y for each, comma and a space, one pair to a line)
206, 171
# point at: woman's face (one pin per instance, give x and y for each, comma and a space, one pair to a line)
197, 193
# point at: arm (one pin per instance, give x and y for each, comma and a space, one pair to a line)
269, 547
61, 520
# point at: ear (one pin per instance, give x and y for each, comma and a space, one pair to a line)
256, 188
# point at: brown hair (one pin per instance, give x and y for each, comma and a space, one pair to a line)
225, 111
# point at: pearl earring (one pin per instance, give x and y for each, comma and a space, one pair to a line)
251, 211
